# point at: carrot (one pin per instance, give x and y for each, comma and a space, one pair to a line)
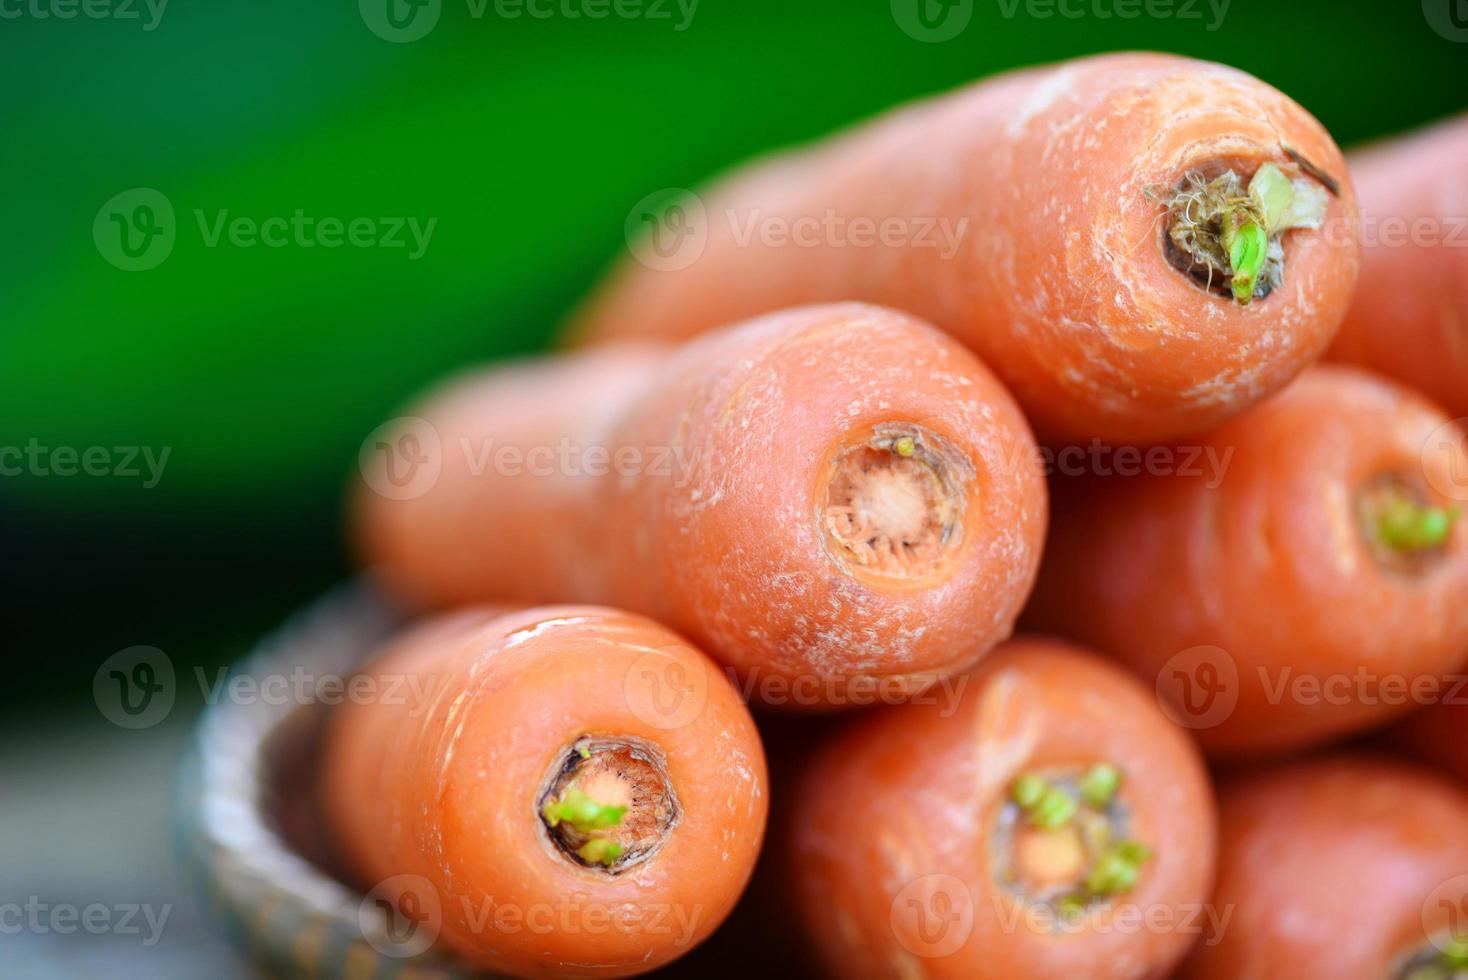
572, 791
1050, 822
1140, 245
1352, 868
840, 502
1306, 583
1409, 319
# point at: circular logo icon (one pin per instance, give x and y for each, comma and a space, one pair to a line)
400, 21
135, 688
1445, 914
1199, 687
933, 915
666, 691
1445, 458
402, 458
135, 230
1449, 18
402, 916
932, 21
668, 229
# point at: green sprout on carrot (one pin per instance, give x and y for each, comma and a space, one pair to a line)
581, 812
1116, 869
905, 446
1232, 229
600, 850
1405, 525
1047, 806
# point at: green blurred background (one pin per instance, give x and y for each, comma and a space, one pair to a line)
527, 139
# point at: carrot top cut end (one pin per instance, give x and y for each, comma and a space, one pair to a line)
893, 503
1227, 234
1402, 528
1061, 839
609, 804
1443, 960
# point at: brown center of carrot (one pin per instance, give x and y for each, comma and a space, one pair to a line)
609, 804
894, 502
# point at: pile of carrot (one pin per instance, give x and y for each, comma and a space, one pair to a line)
1162, 400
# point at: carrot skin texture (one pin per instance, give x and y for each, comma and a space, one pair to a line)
1271, 567
1058, 278
449, 789
1329, 867
926, 784
1409, 318
727, 543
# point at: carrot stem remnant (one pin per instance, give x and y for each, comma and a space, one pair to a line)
582, 812
1406, 525
1223, 227
1081, 806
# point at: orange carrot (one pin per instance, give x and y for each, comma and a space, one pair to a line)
1051, 822
1307, 585
1139, 245
1409, 319
1347, 868
840, 502
574, 792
